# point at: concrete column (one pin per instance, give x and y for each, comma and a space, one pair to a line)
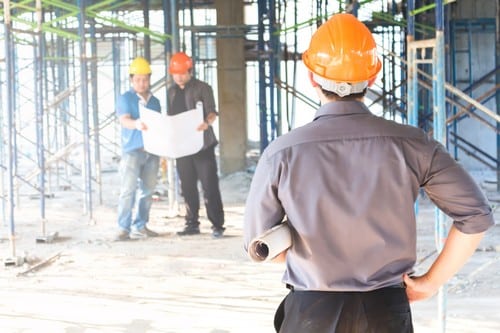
231, 76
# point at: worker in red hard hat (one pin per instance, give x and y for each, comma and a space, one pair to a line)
347, 184
183, 95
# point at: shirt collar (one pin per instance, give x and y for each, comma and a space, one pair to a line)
142, 100
186, 85
341, 108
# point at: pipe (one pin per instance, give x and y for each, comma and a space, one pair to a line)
412, 89
86, 165
9, 64
39, 93
439, 134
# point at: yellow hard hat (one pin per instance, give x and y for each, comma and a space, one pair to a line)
139, 66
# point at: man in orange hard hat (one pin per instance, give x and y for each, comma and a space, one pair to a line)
138, 168
347, 184
184, 94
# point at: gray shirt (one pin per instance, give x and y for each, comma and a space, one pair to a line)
347, 183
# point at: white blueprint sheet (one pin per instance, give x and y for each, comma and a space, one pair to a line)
172, 136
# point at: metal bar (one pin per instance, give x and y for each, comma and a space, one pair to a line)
274, 115
262, 77
472, 155
421, 44
40, 264
173, 179
497, 80
423, 61
453, 57
440, 135
194, 47
147, 39
86, 163
431, 6
291, 90
472, 101
2, 155
9, 64
474, 147
412, 83
39, 93
291, 123
450, 88
95, 109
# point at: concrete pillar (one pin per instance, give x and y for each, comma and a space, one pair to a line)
231, 76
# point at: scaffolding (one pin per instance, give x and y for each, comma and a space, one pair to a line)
64, 64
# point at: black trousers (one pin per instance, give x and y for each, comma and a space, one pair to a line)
384, 310
201, 166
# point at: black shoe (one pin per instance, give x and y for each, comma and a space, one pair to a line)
218, 233
189, 231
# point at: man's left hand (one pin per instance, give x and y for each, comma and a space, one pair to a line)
203, 126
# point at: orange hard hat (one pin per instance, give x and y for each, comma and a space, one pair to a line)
180, 63
343, 50
139, 66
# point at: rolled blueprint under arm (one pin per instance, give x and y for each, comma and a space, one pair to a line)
271, 243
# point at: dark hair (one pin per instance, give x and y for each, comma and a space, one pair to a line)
130, 76
330, 94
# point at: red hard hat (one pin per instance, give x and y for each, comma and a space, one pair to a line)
180, 63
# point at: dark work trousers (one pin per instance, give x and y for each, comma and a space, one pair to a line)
385, 310
201, 166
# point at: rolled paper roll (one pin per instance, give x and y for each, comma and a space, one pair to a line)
271, 243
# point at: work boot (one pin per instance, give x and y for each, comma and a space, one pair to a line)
189, 230
218, 232
122, 235
143, 233
150, 232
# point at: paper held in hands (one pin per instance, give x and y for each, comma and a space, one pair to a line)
172, 136
271, 243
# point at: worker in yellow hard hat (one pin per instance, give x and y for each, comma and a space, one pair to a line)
347, 184
185, 93
138, 168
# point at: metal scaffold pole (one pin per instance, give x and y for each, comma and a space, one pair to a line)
497, 95
2, 162
39, 113
95, 109
412, 90
171, 46
86, 165
438, 85
40, 142
437, 46
9, 64
264, 140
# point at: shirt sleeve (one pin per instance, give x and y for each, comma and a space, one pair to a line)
457, 194
122, 107
208, 100
263, 209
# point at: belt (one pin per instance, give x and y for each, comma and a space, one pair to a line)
398, 285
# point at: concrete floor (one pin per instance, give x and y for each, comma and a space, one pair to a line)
184, 284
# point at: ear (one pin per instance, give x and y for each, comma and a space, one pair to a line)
372, 81
311, 79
